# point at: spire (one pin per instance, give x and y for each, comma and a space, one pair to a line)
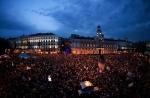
99, 33
99, 29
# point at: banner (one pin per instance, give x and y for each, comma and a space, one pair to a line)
101, 66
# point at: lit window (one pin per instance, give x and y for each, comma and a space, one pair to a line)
56, 46
56, 40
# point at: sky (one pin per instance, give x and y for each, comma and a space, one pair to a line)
117, 18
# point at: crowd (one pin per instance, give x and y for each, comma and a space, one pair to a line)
125, 75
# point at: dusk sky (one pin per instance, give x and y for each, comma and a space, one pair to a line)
118, 18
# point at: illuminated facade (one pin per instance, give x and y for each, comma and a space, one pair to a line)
76, 43
83, 45
113, 46
96, 45
43, 41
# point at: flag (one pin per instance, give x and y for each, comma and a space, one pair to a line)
101, 66
49, 78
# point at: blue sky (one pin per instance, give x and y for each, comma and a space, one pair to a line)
118, 18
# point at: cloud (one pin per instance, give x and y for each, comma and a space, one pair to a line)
42, 22
13, 23
118, 18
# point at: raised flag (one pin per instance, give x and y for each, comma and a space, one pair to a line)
101, 67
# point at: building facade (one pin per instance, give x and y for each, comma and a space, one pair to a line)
97, 45
83, 45
76, 44
42, 41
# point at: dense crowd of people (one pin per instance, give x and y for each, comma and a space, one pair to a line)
125, 75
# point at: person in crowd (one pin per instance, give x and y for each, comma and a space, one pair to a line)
59, 76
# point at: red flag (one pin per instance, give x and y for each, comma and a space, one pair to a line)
101, 66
